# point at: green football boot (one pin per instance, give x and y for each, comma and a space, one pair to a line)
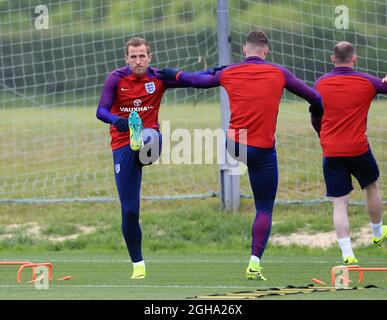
377, 242
135, 129
350, 260
138, 272
254, 271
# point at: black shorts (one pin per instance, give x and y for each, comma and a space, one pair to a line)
338, 171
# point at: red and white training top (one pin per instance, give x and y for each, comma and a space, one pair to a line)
125, 92
254, 87
346, 97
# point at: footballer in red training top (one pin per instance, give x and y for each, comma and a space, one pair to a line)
125, 92
254, 87
347, 96
130, 103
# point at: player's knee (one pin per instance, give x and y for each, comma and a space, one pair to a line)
129, 221
342, 201
264, 205
372, 186
130, 214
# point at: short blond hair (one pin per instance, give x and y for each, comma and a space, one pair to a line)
136, 42
257, 38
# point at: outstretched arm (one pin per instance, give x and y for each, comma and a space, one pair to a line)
379, 85
203, 79
200, 79
299, 88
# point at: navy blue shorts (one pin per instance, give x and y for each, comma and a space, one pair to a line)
338, 171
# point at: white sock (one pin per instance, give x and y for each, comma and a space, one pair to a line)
142, 262
376, 229
346, 247
255, 259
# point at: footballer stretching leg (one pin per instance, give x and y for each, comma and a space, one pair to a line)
128, 175
130, 103
263, 175
254, 87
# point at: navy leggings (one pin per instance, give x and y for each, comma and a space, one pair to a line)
263, 174
128, 175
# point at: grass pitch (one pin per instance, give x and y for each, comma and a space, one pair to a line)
64, 152
191, 249
180, 276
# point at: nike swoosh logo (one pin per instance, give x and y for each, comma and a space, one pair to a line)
124, 89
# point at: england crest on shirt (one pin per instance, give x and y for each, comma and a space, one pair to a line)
117, 168
150, 87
